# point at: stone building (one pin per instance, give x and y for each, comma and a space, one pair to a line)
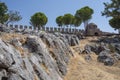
93, 30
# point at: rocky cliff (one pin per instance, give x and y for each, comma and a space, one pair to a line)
34, 55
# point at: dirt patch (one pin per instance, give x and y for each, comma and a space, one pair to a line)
79, 69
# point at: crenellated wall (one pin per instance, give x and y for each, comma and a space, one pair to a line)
48, 29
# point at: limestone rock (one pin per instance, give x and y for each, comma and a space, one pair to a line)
44, 57
106, 58
4, 28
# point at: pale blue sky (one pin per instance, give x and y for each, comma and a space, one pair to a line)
54, 8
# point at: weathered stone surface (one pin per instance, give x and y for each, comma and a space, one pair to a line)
73, 40
44, 56
106, 58
116, 56
27, 31
108, 53
5, 59
87, 49
109, 61
117, 46
3, 74
109, 40
88, 58
54, 57
13, 76
4, 28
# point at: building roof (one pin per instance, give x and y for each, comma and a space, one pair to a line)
92, 24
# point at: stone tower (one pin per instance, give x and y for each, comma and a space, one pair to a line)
93, 30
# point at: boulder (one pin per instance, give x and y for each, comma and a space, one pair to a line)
109, 61
72, 40
116, 56
117, 46
105, 58
88, 58
87, 49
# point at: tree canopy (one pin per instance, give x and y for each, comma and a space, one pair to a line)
115, 23
59, 21
3, 13
7, 17
39, 19
85, 14
67, 19
113, 10
76, 21
14, 16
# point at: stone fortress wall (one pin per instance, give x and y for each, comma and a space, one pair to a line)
48, 29
91, 29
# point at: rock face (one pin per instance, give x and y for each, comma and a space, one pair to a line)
106, 58
107, 50
43, 56
3, 28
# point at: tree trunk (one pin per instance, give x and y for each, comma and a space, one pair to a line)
85, 25
38, 27
70, 28
119, 31
7, 22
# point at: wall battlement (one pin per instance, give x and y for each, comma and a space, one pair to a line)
48, 29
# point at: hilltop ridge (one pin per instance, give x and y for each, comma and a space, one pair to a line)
31, 55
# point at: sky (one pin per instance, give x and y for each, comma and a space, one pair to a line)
55, 8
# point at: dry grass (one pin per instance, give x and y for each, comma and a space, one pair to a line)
36, 77
52, 53
79, 69
20, 49
45, 68
9, 36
